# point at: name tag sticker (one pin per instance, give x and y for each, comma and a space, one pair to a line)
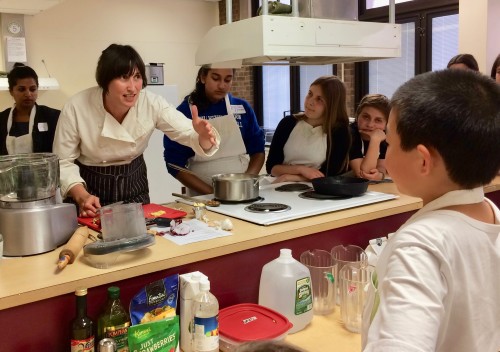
43, 127
238, 109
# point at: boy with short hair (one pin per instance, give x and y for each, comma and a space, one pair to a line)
368, 146
437, 283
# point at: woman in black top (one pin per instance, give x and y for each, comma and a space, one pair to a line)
26, 127
314, 143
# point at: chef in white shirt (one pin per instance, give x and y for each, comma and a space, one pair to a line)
103, 132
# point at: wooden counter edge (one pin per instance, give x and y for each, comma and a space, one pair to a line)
118, 274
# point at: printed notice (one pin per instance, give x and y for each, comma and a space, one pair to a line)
16, 49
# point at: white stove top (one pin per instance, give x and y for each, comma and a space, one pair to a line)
300, 207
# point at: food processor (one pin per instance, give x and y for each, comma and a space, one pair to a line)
31, 220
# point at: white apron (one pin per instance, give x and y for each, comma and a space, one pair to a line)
232, 155
21, 144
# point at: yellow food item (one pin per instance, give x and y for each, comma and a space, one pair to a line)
158, 314
158, 213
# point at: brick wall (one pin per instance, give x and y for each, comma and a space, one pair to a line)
243, 77
243, 82
349, 84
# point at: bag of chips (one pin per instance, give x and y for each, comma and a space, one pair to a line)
156, 301
156, 336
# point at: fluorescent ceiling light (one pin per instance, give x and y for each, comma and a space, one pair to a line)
44, 83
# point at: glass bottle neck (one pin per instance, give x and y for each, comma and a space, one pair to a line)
81, 306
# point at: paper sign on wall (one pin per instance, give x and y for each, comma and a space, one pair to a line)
16, 49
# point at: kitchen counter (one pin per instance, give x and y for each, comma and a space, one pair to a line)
326, 330
28, 279
32, 286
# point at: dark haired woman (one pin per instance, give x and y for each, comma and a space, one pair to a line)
26, 127
463, 62
242, 140
103, 132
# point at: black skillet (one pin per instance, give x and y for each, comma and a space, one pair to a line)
340, 186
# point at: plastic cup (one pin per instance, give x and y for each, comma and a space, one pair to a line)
323, 274
354, 282
122, 221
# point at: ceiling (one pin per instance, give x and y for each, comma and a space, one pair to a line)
31, 7
27, 7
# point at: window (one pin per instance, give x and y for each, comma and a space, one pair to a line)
444, 40
429, 40
371, 4
275, 94
385, 76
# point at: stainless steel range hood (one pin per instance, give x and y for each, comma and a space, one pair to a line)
293, 40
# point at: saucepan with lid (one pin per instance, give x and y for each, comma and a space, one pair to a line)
341, 186
237, 187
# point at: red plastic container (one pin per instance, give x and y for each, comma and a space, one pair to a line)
250, 322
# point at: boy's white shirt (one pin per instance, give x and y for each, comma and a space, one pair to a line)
438, 282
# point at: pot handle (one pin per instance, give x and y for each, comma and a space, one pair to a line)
259, 177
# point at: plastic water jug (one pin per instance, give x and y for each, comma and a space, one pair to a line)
285, 286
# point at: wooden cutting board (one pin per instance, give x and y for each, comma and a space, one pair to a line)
150, 211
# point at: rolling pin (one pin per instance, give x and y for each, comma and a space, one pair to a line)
73, 247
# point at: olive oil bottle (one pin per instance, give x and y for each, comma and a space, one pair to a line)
114, 320
82, 327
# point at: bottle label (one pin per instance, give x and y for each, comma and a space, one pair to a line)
86, 345
206, 334
303, 296
118, 333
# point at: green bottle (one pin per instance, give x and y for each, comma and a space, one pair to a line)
114, 320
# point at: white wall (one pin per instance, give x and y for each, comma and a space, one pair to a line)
71, 36
478, 31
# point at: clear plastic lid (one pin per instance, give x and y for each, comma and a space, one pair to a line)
123, 245
103, 254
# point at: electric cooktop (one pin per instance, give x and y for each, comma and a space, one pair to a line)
300, 206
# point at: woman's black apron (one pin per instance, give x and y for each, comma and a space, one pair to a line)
127, 183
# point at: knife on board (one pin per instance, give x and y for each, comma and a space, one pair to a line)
207, 202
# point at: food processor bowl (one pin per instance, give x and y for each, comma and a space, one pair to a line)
28, 177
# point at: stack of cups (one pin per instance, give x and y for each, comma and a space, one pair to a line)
353, 277
323, 279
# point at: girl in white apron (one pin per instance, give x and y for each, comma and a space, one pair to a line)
242, 140
26, 127
231, 156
